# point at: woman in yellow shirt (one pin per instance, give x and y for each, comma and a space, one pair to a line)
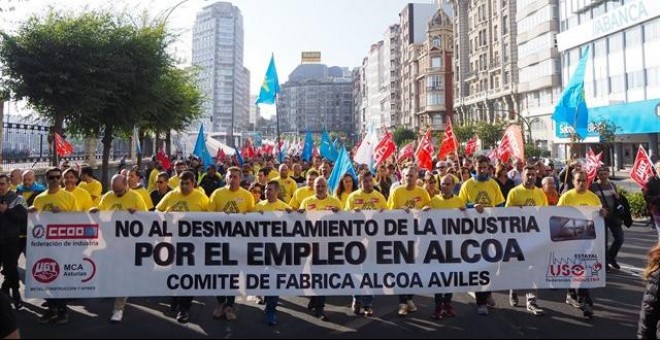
345, 188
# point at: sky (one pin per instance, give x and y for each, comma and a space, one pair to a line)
342, 30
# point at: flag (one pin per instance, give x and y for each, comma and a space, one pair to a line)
384, 149
248, 149
327, 150
220, 156
503, 152
200, 148
471, 146
163, 158
308, 148
572, 107
342, 166
424, 153
407, 151
516, 147
62, 147
271, 85
365, 153
239, 159
449, 143
642, 170
136, 138
592, 164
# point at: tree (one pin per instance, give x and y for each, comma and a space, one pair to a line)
94, 72
464, 132
489, 133
607, 130
402, 135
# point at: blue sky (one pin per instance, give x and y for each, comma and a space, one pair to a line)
343, 30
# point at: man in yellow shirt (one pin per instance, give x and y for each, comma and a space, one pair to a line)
306, 191
83, 198
121, 198
15, 178
287, 185
320, 201
231, 199
408, 196
579, 196
527, 195
179, 167
184, 199
55, 200
134, 176
153, 175
89, 183
365, 198
445, 200
272, 203
481, 192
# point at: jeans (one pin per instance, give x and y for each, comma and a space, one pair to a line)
443, 298
271, 304
656, 219
617, 233
364, 300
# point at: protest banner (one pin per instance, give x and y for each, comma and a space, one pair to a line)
109, 254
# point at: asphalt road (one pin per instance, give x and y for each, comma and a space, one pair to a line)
616, 312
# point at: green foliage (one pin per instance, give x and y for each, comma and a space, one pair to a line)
402, 136
638, 206
606, 131
489, 133
464, 132
533, 151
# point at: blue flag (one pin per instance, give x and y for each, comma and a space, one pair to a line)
200, 149
572, 107
138, 147
342, 166
326, 149
271, 85
308, 148
239, 158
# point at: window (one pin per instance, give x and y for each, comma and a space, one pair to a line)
437, 42
435, 98
436, 62
505, 27
435, 82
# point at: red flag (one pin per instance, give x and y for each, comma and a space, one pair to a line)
163, 158
471, 146
511, 144
220, 155
248, 149
642, 170
449, 143
267, 149
384, 149
503, 150
592, 165
407, 151
424, 152
62, 147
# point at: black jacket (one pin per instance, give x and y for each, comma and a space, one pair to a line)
14, 219
649, 316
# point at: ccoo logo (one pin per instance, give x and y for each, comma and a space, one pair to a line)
46, 270
38, 231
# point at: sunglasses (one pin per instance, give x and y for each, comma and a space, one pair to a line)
51, 178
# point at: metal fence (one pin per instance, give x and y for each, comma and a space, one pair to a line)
26, 146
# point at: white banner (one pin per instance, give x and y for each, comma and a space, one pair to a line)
320, 253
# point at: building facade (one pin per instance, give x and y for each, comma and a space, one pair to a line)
434, 74
218, 52
485, 60
317, 96
622, 80
539, 65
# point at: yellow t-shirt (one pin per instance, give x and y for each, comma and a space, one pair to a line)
173, 182
61, 199
266, 206
343, 197
401, 198
359, 199
572, 199
287, 187
486, 193
94, 188
83, 199
145, 197
439, 202
153, 178
273, 174
239, 201
300, 195
313, 203
176, 201
522, 197
130, 200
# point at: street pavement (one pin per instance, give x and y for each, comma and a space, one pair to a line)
616, 313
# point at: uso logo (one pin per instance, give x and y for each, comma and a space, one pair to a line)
46, 270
